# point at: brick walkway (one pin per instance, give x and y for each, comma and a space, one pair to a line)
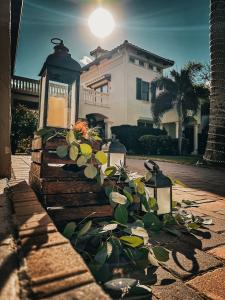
205, 179
195, 270
36, 261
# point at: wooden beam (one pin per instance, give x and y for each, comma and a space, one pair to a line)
5, 100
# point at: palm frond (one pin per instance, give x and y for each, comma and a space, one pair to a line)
164, 102
162, 83
190, 102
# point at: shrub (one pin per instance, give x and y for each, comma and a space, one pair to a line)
24, 123
161, 145
129, 135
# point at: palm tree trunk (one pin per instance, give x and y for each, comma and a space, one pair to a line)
215, 149
180, 123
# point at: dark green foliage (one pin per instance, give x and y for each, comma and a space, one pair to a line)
162, 144
24, 124
129, 136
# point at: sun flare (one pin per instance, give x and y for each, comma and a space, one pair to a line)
101, 22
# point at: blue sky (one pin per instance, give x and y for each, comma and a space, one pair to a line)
175, 29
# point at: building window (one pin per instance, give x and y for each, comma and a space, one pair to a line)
102, 88
158, 69
141, 63
150, 66
145, 123
132, 59
142, 89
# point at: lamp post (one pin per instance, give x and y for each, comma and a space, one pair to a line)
59, 93
159, 186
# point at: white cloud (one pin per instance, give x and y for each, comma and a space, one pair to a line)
85, 60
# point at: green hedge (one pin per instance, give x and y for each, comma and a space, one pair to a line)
161, 145
129, 135
24, 123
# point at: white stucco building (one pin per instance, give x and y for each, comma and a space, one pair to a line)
115, 89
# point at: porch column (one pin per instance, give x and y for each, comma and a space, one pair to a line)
5, 111
195, 152
108, 125
176, 130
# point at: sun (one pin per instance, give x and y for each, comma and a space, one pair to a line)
101, 22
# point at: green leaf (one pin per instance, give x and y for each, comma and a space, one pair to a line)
153, 203
110, 171
127, 193
153, 261
62, 151
142, 289
140, 188
101, 255
207, 222
144, 203
46, 133
90, 172
70, 138
109, 248
161, 254
101, 157
96, 138
85, 228
121, 214
118, 198
117, 247
73, 152
69, 229
109, 227
108, 190
82, 160
101, 273
169, 220
132, 241
138, 223
85, 149
139, 231
138, 256
193, 225
172, 231
100, 178
152, 221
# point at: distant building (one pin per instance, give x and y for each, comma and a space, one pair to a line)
115, 90
123, 76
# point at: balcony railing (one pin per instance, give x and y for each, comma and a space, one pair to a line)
92, 97
29, 86
24, 85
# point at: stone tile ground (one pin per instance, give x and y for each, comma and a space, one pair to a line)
195, 270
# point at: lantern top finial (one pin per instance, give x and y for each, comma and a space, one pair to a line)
158, 179
60, 47
61, 58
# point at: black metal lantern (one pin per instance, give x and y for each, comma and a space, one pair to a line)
59, 92
159, 186
116, 153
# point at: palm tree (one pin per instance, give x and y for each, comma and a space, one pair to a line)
215, 149
176, 92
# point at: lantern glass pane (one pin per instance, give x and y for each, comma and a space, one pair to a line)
150, 192
58, 105
163, 201
116, 159
42, 102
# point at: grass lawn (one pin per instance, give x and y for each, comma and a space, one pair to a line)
186, 159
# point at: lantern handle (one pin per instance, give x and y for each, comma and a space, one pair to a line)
151, 166
56, 41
